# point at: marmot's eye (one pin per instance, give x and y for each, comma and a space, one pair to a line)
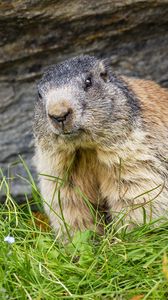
88, 82
39, 95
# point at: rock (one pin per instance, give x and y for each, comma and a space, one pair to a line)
35, 34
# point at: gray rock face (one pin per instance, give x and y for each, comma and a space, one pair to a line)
35, 34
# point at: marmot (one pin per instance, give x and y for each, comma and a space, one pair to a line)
101, 145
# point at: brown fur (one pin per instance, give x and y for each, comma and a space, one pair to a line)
153, 99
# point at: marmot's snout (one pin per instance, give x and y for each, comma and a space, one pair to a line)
60, 116
62, 119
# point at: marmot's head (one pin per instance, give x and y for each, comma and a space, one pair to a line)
82, 99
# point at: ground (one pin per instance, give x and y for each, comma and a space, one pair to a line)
121, 265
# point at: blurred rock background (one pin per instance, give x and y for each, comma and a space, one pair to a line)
36, 33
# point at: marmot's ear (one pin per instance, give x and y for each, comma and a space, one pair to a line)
105, 69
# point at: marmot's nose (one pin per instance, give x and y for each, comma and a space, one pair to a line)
61, 118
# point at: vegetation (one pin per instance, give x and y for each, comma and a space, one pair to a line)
120, 265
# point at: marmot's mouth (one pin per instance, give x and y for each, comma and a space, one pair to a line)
73, 133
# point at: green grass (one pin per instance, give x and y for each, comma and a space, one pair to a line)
119, 265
